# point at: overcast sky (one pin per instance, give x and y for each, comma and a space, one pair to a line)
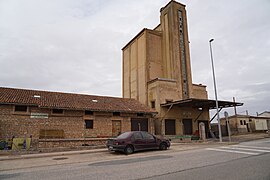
75, 45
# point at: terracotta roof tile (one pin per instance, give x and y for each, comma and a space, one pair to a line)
47, 99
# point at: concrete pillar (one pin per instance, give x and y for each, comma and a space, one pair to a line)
202, 131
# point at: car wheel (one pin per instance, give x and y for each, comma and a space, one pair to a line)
163, 146
129, 149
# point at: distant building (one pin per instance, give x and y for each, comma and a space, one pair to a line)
240, 124
264, 114
65, 119
157, 72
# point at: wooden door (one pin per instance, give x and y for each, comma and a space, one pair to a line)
187, 126
169, 126
116, 127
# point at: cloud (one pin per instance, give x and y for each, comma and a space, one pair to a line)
75, 45
240, 48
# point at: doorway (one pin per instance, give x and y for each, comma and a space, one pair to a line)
139, 124
116, 127
187, 126
169, 127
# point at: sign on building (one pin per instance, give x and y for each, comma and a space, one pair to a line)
39, 115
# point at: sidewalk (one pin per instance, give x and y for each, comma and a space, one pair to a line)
50, 154
246, 137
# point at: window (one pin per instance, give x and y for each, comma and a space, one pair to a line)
57, 111
241, 122
139, 114
153, 104
245, 122
88, 124
88, 112
21, 108
116, 113
146, 135
124, 135
137, 135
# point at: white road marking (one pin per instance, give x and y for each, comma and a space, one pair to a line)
264, 141
256, 147
231, 151
245, 149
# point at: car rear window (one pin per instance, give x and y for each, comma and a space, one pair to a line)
124, 135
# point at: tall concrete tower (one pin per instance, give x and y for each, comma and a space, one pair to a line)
175, 50
161, 54
157, 70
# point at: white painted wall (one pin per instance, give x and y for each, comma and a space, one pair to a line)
260, 125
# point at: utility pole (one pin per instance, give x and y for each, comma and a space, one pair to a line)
214, 79
228, 125
235, 113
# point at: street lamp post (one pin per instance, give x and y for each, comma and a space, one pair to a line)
214, 79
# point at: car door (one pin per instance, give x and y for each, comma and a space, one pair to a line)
138, 141
149, 140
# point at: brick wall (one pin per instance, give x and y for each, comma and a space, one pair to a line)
21, 124
71, 143
71, 123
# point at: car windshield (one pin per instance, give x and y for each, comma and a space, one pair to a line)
124, 135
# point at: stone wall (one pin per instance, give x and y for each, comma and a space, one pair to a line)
70, 124
70, 143
199, 92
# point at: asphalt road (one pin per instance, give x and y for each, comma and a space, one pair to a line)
249, 160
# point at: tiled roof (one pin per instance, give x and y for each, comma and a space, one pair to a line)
47, 99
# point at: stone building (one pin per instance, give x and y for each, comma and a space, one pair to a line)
241, 124
264, 114
63, 118
157, 72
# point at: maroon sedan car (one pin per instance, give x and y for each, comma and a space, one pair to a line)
130, 142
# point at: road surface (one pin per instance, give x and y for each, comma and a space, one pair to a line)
248, 160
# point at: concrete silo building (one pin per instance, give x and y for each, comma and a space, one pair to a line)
157, 72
